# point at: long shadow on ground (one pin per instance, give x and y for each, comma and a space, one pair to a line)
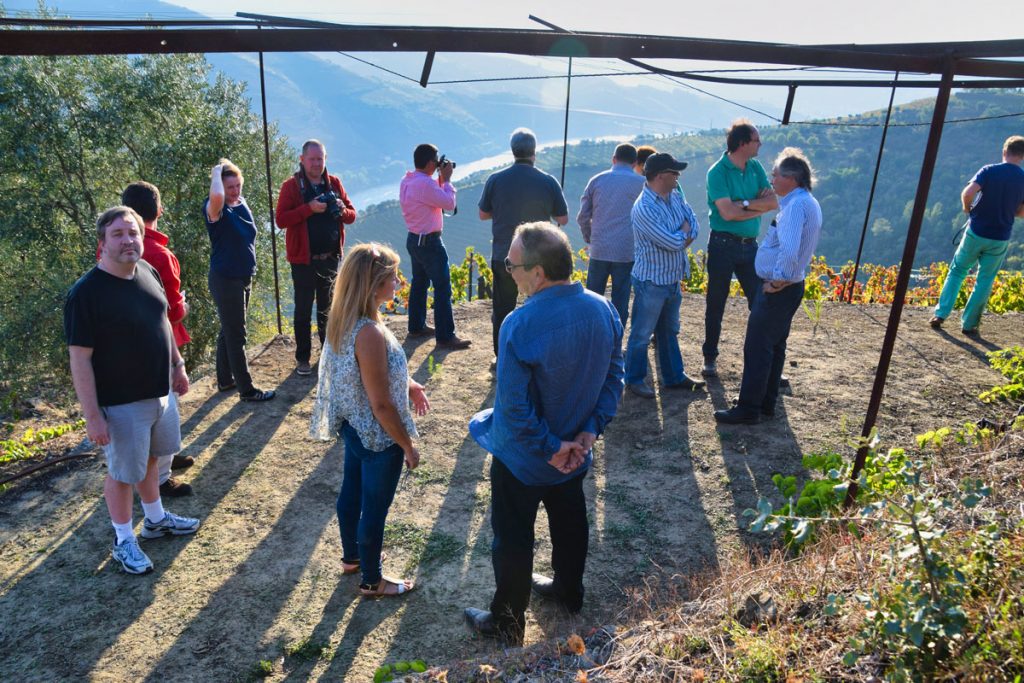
108, 601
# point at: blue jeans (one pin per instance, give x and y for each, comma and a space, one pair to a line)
725, 257
598, 273
989, 255
655, 310
367, 488
430, 266
764, 348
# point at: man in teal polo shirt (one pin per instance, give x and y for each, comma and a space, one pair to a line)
738, 194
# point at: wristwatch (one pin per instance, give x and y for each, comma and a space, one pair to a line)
746, 204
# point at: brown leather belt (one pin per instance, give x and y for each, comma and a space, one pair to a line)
323, 257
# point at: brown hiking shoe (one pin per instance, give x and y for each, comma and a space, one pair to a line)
172, 488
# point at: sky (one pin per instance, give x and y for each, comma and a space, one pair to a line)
827, 21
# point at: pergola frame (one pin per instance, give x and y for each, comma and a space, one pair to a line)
985, 64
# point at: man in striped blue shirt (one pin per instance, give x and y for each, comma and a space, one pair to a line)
782, 263
604, 220
664, 225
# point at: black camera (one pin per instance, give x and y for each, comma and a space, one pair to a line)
331, 200
445, 161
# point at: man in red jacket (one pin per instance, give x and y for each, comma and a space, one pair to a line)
314, 210
144, 198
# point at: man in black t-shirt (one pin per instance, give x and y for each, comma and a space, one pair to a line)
124, 365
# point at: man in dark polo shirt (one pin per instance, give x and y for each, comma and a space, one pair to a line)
518, 194
126, 370
314, 239
738, 194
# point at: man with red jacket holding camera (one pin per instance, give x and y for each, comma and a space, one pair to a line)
314, 210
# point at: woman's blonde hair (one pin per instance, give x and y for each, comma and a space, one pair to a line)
364, 269
228, 169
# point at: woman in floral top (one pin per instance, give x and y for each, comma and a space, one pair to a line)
364, 394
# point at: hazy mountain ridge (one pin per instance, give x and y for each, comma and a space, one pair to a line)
843, 157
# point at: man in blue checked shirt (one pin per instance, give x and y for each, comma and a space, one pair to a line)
558, 386
782, 264
664, 225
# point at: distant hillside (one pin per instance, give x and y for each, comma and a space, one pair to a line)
843, 156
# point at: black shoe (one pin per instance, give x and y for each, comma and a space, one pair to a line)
172, 488
973, 332
454, 343
482, 622
226, 387
257, 395
688, 384
783, 382
544, 588
641, 390
180, 462
425, 331
936, 322
766, 411
735, 416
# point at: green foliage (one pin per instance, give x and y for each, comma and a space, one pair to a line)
460, 275
1010, 363
29, 444
307, 650
261, 669
75, 131
387, 672
917, 623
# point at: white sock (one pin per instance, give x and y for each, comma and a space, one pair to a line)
123, 531
154, 511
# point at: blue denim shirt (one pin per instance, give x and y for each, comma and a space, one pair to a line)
559, 373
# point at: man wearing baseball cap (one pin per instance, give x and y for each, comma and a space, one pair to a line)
664, 225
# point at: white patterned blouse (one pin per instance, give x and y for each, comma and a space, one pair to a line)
341, 395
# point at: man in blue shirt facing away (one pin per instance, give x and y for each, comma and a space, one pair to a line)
559, 379
987, 238
782, 263
605, 223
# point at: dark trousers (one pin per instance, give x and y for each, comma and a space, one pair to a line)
506, 294
513, 514
231, 297
726, 257
599, 271
764, 349
312, 282
367, 488
430, 267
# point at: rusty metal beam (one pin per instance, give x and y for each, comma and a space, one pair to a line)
450, 40
924, 182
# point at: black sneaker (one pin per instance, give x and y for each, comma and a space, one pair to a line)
172, 488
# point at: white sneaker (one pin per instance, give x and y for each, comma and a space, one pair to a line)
170, 524
710, 370
131, 557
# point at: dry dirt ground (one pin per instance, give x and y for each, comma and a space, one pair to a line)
262, 575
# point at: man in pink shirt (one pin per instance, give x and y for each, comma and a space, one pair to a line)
423, 199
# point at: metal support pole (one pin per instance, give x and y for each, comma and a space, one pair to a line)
906, 266
270, 195
871, 195
565, 129
789, 105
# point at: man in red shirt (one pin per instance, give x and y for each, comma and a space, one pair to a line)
314, 222
144, 198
